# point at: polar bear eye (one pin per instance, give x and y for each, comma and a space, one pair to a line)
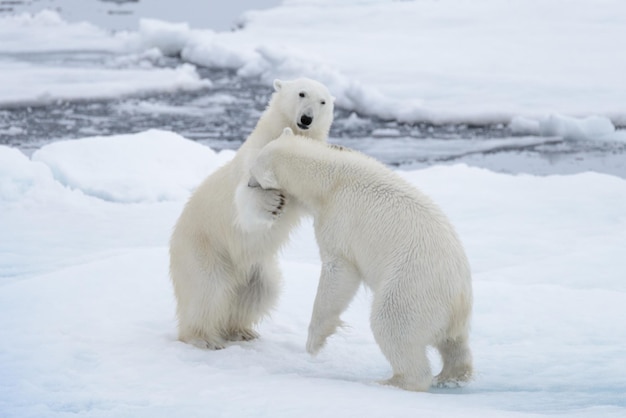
323, 102
302, 94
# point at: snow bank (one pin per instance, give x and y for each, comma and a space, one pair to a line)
47, 31
86, 165
568, 128
32, 84
20, 177
170, 38
446, 61
578, 129
44, 59
87, 310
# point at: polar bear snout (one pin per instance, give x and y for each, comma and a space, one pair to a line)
305, 121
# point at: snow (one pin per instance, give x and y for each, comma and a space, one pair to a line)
32, 84
124, 14
87, 310
458, 61
35, 71
569, 128
47, 31
169, 38
86, 166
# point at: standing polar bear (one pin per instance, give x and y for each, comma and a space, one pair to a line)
373, 227
223, 248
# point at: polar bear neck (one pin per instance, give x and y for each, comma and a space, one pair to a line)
319, 171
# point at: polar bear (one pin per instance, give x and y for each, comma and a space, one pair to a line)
223, 247
373, 227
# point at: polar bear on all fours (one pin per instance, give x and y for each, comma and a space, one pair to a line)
375, 228
223, 248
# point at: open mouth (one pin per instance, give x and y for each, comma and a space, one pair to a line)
302, 126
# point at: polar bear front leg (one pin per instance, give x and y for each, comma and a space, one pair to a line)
338, 284
257, 208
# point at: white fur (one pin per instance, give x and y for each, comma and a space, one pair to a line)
373, 227
223, 249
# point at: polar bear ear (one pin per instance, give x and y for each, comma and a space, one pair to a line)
278, 84
287, 131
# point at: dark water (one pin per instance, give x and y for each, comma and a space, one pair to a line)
221, 116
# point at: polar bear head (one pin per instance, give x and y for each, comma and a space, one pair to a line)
281, 163
306, 106
306, 169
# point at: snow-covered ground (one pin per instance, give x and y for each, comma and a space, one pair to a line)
87, 320
87, 310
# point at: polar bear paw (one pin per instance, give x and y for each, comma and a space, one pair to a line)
460, 380
258, 208
314, 344
319, 333
209, 344
245, 334
272, 202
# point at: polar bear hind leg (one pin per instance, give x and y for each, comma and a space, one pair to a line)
457, 362
253, 301
402, 339
409, 362
199, 318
